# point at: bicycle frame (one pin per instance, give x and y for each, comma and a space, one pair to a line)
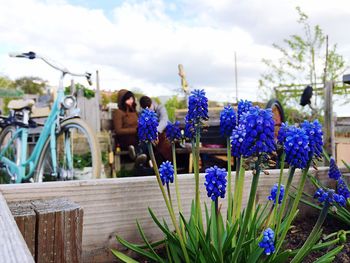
49, 130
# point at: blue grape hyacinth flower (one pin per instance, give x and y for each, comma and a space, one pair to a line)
329, 196
281, 137
314, 131
197, 106
189, 131
215, 182
342, 189
242, 108
166, 170
173, 131
147, 126
297, 148
273, 194
267, 242
259, 127
333, 172
227, 121
237, 139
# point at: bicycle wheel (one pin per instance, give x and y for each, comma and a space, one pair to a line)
78, 154
11, 153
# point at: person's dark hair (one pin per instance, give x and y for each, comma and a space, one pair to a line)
145, 102
126, 96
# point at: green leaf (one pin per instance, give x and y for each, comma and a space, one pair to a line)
123, 257
254, 256
282, 257
329, 257
135, 248
146, 242
213, 227
208, 249
154, 244
346, 165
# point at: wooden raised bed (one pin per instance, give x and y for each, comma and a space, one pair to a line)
111, 206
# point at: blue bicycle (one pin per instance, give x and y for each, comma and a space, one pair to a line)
66, 148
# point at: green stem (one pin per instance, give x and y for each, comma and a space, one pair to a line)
240, 188
302, 252
284, 201
251, 200
169, 195
170, 209
334, 234
294, 207
235, 193
196, 176
218, 230
283, 157
229, 179
177, 190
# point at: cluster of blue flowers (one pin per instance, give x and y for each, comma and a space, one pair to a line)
273, 194
166, 170
227, 120
237, 140
147, 126
215, 182
335, 174
301, 144
330, 197
197, 106
190, 130
243, 107
281, 137
267, 242
342, 189
314, 131
173, 131
296, 146
259, 128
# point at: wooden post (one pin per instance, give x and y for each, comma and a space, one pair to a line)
25, 218
59, 231
98, 99
13, 248
72, 86
329, 137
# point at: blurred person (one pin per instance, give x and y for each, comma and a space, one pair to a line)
125, 125
163, 146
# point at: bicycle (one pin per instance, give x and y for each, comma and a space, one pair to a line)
65, 146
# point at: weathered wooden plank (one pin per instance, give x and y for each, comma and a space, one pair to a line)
13, 248
111, 206
25, 218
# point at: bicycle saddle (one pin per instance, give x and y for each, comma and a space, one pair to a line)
20, 104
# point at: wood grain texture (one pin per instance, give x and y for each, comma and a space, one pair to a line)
13, 248
111, 206
25, 218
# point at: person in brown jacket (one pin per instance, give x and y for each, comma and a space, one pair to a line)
125, 119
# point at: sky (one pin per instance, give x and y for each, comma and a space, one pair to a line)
138, 44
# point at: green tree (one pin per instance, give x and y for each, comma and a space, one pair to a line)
304, 60
172, 104
31, 85
5, 82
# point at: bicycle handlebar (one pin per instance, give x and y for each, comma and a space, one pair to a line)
33, 55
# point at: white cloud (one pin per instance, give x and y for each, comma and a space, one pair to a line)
142, 43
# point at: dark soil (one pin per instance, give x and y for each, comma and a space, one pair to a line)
301, 230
